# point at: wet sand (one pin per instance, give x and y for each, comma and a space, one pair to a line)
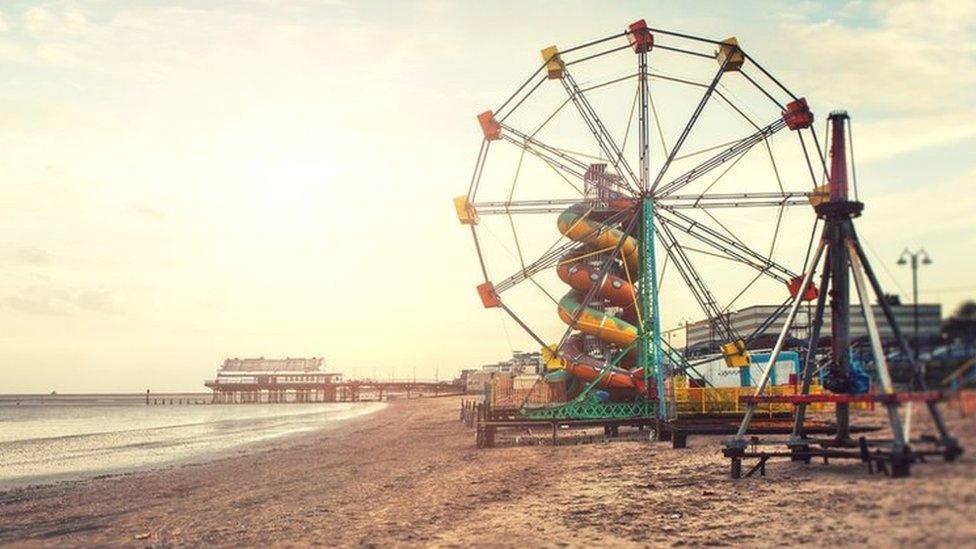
410, 474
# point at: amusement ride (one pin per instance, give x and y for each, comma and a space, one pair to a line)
715, 133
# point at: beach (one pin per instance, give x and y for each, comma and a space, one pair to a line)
409, 474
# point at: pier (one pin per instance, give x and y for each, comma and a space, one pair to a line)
303, 380
326, 391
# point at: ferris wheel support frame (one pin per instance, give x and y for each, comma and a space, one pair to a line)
650, 353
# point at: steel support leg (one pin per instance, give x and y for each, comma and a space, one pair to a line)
900, 445
811, 355
739, 441
950, 443
839, 370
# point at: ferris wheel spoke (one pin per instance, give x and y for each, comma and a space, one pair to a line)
761, 329
738, 149
726, 245
563, 169
672, 249
557, 158
773, 196
546, 261
555, 253
528, 141
524, 326
718, 93
707, 149
724, 227
711, 205
691, 123
694, 281
600, 133
568, 100
504, 207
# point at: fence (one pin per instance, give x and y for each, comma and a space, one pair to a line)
506, 393
725, 400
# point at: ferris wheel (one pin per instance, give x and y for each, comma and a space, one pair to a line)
633, 175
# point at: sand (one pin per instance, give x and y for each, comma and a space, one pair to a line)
410, 475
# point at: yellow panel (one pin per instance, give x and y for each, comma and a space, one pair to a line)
554, 64
551, 361
735, 354
730, 50
820, 195
466, 213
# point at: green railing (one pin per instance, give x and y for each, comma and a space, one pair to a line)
592, 409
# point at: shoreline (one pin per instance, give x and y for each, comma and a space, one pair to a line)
227, 450
409, 474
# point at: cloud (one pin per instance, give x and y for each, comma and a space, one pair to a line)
37, 19
24, 255
40, 20
47, 300
939, 212
902, 56
148, 212
892, 137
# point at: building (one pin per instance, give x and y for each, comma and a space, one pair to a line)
521, 364
702, 338
526, 363
262, 380
477, 380
716, 373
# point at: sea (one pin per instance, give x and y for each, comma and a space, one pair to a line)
51, 438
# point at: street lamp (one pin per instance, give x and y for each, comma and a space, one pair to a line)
912, 258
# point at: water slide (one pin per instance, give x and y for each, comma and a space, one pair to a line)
580, 224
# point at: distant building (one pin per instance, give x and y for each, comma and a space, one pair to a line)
273, 380
521, 364
702, 338
476, 381
526, 363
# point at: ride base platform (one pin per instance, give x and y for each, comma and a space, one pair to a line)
879, 455
490, 421
876, 454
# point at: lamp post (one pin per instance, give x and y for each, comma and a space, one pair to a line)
912, 258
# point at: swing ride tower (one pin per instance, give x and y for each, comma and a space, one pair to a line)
843, 260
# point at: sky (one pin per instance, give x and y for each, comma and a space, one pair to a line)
185, 182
